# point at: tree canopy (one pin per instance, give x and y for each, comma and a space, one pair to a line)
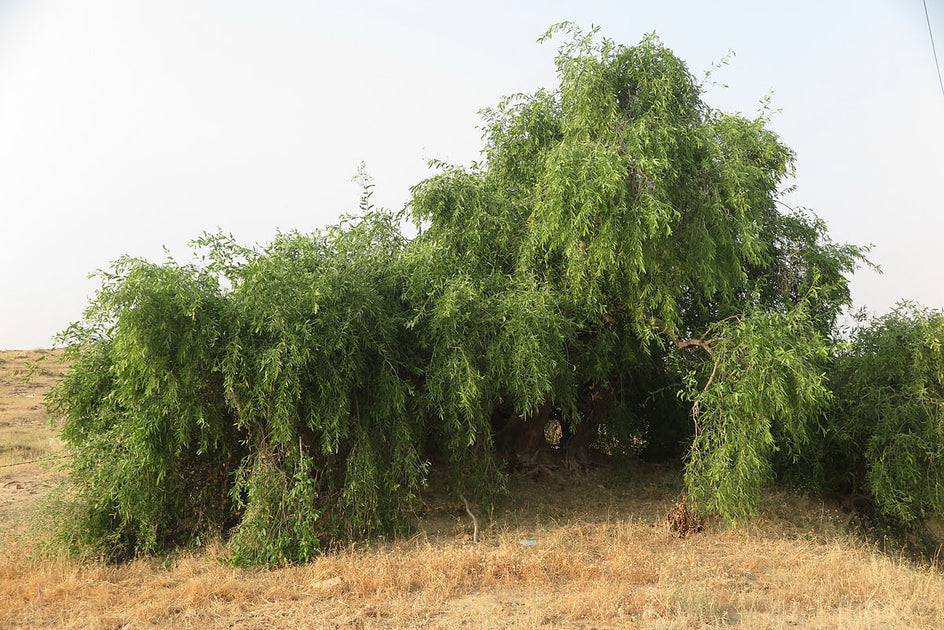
618, 276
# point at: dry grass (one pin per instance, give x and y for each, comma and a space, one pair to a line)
602, 557
22, 444
615, 573
29, 445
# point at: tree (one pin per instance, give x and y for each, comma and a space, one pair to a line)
618, 260
612, 224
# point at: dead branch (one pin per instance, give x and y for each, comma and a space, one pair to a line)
475, 521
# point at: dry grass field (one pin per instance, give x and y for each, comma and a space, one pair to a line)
25, 432
576, 551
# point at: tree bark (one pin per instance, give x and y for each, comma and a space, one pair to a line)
521, 437
576, 442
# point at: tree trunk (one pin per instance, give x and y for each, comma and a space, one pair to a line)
520, 438
577, 441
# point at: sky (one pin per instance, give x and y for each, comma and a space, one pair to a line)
129, 126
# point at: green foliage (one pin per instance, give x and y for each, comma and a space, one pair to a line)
299, 394
650, 196
625, 200
150, 432
320, 375
764, 393
886, 430
285, 404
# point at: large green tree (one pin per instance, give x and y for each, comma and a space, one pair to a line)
616, 275
612, 224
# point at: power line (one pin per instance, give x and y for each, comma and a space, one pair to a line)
933, 49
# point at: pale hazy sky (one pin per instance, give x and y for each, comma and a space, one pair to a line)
128, 125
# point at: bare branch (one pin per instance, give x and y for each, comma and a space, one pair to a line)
475, 521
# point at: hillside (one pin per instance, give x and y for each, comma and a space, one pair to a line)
565, 550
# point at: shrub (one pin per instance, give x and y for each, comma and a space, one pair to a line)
885, 431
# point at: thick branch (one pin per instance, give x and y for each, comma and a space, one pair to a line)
690, 343
704, 344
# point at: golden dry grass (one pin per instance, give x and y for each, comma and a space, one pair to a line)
602, 557
615, 573
28, 443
